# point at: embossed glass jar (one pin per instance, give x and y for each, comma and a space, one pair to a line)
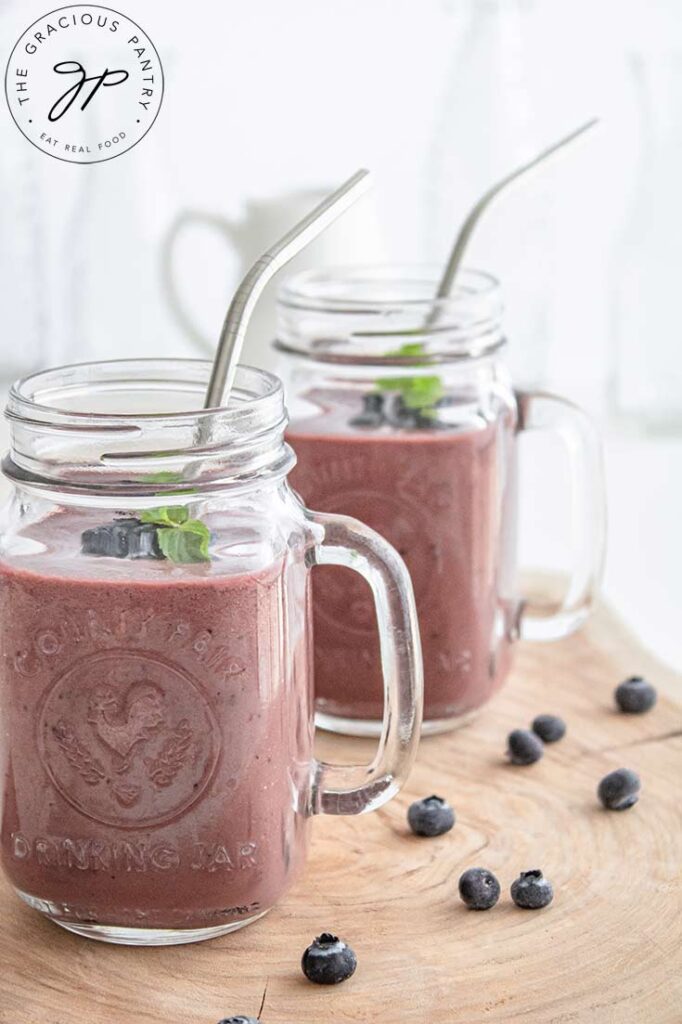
157, 723
402, 412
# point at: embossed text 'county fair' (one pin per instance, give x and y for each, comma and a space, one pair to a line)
122, 627
132, 855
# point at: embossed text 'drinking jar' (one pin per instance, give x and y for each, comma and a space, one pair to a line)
157, 766
402, 413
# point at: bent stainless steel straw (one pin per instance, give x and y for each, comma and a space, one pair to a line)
469, 225
247, 294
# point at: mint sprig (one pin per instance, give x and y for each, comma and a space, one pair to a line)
419, 393
181, 539
164, 476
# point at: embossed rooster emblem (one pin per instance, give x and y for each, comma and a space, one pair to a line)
122, 724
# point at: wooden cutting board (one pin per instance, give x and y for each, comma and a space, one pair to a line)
608, 950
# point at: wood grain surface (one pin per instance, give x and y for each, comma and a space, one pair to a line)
608, 950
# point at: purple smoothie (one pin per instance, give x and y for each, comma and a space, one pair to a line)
444, 499
156, 747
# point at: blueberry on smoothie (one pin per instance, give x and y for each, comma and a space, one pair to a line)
432, 816
372, 413
532, 891
620, 789
524, 747
143, 542
479, 889
111, 539
550, 728
399, 414
635, 695
411, 415
328, 960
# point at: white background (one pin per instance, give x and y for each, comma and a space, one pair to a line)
438, 98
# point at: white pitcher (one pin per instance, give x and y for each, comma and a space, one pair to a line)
354, 238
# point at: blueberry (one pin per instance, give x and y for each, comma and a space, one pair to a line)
328, 960
366, 421
634, 696
532, 890
143, 542
549, 728
111, 540
373, 401
431, 816
124, 538
372, 414
239, 1019
429, 422
398, 414
479, 889
93, 540
620, 789
524, 747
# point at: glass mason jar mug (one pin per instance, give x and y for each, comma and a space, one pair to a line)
402, 413
157, 743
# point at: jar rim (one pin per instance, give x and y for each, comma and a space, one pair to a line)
252, 387
314, 289
365, 315
86, 427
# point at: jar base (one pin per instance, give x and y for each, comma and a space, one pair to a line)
373, 727
134, 936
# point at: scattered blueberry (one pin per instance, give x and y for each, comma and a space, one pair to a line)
524, 747
620, 789
532, 890
431, 816
372, 414
239, 1019
549, 728
328, 960
634, 696
479, 889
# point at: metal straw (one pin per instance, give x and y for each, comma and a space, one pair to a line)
469, 225
247, 294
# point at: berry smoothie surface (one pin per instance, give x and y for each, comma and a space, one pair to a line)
156, 722
443, 498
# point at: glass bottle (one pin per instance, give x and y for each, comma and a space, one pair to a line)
646, 370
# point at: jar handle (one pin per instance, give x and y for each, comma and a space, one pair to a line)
355, 789
541, 411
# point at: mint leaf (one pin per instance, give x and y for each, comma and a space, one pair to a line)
186, 542
420, 393
181, 539
168, 476
164, 476
410, 348
171, 515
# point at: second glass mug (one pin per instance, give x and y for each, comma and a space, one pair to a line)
157, 744
403, 414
